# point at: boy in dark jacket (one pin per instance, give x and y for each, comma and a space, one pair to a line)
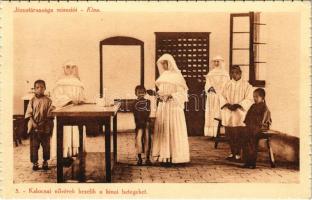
258, 118
141, 111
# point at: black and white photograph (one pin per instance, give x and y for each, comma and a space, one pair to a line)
165, 94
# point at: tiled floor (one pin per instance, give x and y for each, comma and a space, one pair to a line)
207, 165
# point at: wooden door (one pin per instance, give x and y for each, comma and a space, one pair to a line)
191, 53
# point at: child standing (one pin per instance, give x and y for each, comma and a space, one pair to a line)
141, 111
39, 125
258, 118
237, 99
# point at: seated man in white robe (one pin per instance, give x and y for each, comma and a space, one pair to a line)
237, 99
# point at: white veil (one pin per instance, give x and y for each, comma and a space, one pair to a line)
173, 75
218, 71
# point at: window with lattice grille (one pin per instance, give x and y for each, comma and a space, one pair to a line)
190, 51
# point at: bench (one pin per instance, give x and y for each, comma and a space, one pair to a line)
265, 135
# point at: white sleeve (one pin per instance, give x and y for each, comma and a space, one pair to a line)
208, 84
180, 96
248, 99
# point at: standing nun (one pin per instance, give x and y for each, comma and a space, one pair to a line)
215, 82
170, 141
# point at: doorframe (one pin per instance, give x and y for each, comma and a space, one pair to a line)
121, 41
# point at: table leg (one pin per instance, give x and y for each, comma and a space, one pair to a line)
80, 127
82, 169
59, 132
108, 150
115, 137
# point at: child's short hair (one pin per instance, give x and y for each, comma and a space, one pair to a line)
261, 92
140, 88
39, 81
236, 67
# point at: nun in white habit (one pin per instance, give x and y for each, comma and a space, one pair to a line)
68, 90
170, 140
215, 82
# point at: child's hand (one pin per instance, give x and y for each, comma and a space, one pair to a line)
34, 124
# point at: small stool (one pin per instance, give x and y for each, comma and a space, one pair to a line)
265, 135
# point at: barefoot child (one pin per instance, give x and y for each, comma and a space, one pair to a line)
141, 111
258, 118
39, 125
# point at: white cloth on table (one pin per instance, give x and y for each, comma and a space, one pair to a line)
170, 140
236, 92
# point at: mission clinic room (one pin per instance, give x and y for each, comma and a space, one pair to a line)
268, 59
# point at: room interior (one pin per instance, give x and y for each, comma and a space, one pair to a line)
117, 51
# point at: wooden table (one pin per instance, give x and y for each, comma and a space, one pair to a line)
79, 115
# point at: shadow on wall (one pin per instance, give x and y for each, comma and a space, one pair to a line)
285, 147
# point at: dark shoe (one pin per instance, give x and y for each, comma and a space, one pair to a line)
245, 166
67, 161
140, 162
35, 167
249, 166
166, 164
230, 158
252, 167
45, 165
148, 162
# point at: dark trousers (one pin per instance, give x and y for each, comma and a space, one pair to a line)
234, 135
37, 139
250, 146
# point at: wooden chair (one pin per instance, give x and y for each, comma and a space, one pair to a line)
219, 137
265, 135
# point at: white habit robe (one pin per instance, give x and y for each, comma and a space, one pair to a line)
236, 92
216, 78
67, 89
170, 140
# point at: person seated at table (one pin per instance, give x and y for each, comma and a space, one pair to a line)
40, 125
69, 90
258, 118
141, 111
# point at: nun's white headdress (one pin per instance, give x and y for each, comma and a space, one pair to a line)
218, 71
74, 68
70, 80
173, 75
